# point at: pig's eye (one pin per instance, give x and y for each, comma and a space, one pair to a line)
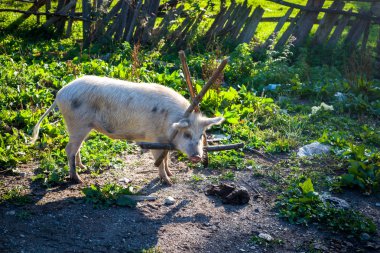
187, 135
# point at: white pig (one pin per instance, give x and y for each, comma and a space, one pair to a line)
130, 111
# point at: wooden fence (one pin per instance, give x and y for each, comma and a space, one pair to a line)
136, 20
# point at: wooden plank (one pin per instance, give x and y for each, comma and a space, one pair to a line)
221, 14
278, 28
163, 29
64, 10
86, 8
306, 22
189, 31
123, 20
288, 32
151, 20
251, 26
230, 21
327, 23
365, 37
70, 23
37, 5
356, 32
240, 21
133, 22
311, 9
223, 21
377, 59
101, 24
334, 38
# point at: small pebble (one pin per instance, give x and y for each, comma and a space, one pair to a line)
12, 212
365, 236
169, 201
125, 180
377, 204
266, 237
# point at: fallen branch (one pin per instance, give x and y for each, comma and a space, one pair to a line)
169, 146
194, 104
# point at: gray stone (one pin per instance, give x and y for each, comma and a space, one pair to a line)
169, 201
337, 202
312, 149
365, 237
266, 237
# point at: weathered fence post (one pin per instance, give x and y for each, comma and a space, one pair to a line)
251, 25
86, 9
327, 23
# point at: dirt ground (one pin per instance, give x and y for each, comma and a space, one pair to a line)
59, 220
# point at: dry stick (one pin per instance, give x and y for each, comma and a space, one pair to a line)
169, 146
194, 104
186, 72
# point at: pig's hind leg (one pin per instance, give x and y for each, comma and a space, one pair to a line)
166, 166
72, 151
161, 169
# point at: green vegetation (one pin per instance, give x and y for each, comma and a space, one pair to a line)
109, 195
16, 196
300, 204
273, 100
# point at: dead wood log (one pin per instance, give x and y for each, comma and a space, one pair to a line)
327, 23
194, 103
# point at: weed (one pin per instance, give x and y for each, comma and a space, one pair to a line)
16, 196
108, 195
300, 204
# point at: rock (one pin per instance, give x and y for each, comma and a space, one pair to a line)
377, 204
229, 193
125, 180
169, 201
365, 237
266, 237
312, 149
12, 212
337, 202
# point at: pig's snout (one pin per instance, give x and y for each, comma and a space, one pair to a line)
196, 158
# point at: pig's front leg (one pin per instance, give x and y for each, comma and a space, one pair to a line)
161, 169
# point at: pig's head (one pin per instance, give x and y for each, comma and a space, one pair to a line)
189, 139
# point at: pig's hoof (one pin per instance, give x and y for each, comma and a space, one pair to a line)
81, 165
169, 173
166, 180
76, 179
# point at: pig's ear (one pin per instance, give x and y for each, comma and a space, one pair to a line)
209, 122
183, 123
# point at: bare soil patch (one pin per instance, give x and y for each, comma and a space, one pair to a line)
59, 220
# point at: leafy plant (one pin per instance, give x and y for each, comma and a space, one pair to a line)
108, 195
300, 204
16, 196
